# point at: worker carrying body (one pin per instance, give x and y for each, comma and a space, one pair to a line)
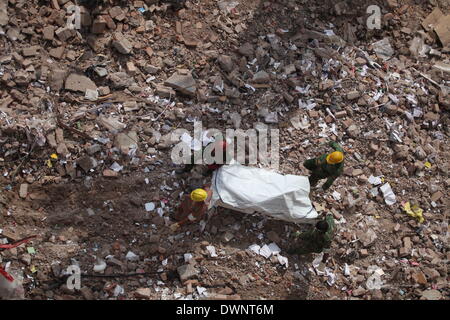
327, 166
316, 240
193, 207
222, 144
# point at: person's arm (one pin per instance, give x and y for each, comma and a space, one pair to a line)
189, 218
306, 235
310, 164
329, 182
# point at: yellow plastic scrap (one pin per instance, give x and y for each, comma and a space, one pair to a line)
428, 165
54, 156
414, 211
49, 163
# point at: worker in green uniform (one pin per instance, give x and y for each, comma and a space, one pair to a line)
316, 240
327, 166
221, 144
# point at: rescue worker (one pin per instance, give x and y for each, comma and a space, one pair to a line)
193, 207
327, 166
210, 167
316, 240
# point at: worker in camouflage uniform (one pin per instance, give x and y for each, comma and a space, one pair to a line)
327, 166
316, 240
220, 144
193, 207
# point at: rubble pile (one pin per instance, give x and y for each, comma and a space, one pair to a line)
87, 112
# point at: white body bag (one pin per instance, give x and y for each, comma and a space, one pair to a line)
256, 190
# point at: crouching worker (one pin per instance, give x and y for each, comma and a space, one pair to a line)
327, 166
217, 145
192, 208
316, 240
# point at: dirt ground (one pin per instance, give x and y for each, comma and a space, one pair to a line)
88, 216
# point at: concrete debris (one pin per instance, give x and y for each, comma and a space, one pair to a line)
4, 12
183, 83
143, 293
76, 82
87, 163
126, 142
121, 44
187, 271
23, 192
383, 49
439, 23
112, 124
431, 295
87, 122
261, 77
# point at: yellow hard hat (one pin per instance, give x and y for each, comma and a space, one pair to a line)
335, 157
199, 195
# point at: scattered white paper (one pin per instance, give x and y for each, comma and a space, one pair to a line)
116, 167
254, 248
389, 196
131, 256
271, 118
374, 180
317, 262
212, 251
206, 139
303, 90
283, 260
149, 206
331, 277
177, 295
265, 251
193, 143
91, 95
187, 257
308, 105
346, 270
374, 282
201, 290
274, 249
374, 191
118, 290
100, 266
336, 196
